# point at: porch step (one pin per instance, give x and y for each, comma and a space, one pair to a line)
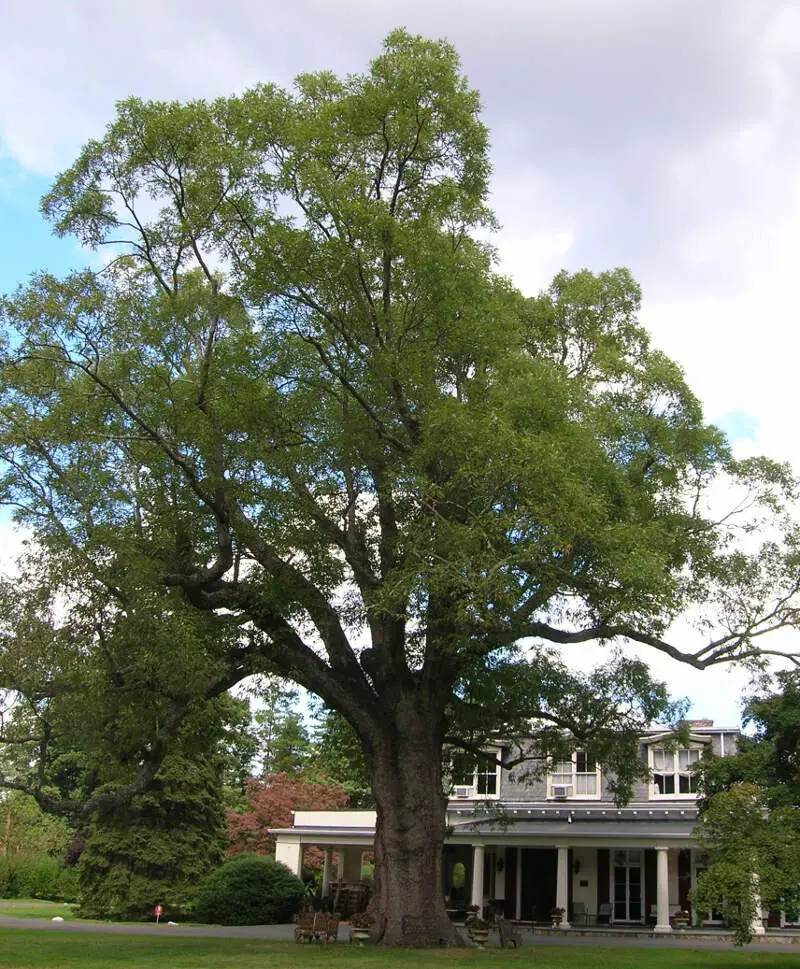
787, 936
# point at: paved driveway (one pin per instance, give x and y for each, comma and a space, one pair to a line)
285, 932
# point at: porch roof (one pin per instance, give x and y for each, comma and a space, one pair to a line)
523, 824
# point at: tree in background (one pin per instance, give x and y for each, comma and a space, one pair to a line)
25, 828
32, 848
337, 755
271, 800
750, 815
284, 744
300, 418
159, 845
239, 747
76, 753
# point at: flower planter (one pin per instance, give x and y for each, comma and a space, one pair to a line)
479, 936
359, 935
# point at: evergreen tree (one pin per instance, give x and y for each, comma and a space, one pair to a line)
158, 847
284, 742
337, 755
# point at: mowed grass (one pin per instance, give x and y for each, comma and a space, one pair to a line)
34, 908
22, 949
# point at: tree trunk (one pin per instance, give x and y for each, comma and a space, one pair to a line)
408, 900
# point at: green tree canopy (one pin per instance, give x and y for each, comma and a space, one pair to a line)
300, 420
750, 818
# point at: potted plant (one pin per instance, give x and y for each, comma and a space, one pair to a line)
681, 919
477, 927
478, 930
360, 925
556, 916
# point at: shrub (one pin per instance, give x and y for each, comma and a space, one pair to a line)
249, 890
37, 875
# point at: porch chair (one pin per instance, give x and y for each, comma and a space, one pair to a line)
304, 928
604, 914
580, 914
326, 926
509, 933
412, 927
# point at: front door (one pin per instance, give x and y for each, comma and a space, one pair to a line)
628, 885
538, 895
457, 872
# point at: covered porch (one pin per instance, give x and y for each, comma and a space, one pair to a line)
601, 866
609, 870
598, 887
344, 836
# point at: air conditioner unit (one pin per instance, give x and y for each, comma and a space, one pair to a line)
560, 791
463, 791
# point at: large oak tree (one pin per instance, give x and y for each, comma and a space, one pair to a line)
298, 403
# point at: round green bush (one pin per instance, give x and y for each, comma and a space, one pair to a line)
249, 890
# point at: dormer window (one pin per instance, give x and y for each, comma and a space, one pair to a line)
578, 777
475, 776
673, 771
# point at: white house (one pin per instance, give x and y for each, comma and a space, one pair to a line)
561, 841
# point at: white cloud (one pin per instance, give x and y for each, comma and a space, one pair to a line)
13, 542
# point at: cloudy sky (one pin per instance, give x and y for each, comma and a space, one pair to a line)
658, 134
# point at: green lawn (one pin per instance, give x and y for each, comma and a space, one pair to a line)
34, 908
48, 950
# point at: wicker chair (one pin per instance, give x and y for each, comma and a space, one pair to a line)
304, 928
327, 927
509, 933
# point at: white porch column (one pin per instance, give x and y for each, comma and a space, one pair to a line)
562, 884
290, 853
662, 891
326, 870
350, 864
477, 877
757, 926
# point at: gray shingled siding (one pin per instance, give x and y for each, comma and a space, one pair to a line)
514, 789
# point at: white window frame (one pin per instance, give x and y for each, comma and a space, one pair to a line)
631, 858
784, 920
557, 778
495, 753
677, 770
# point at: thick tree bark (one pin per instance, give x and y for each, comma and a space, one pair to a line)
408, 901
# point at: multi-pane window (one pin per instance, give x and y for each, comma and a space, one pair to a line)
628, 885
578, 776
477, 772
673, 770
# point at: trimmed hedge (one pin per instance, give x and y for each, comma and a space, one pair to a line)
249, 890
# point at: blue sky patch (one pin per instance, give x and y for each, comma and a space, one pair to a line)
739, 425
27, 243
